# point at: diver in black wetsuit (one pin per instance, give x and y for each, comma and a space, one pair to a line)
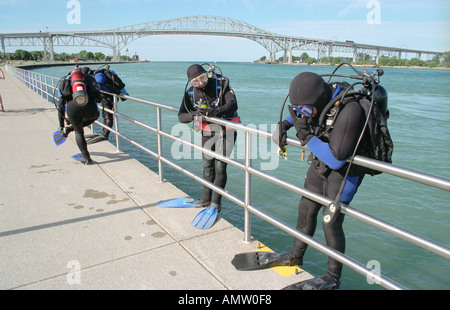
213, 97
109, 82
79, 116
308, 92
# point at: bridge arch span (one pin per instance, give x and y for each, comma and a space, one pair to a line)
117, 39
200, 25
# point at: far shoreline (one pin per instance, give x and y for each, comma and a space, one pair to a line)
34, 65
355, 65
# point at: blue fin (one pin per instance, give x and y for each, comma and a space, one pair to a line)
78, 157
205, 218
177, 203
58, 138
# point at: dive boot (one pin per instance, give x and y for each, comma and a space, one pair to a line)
263, 260
324, 283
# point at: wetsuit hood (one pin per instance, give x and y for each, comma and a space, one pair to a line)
86, 70
308, 88
194, 71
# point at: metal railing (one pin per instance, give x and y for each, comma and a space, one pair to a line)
45, 86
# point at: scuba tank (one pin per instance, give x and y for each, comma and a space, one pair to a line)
79, 94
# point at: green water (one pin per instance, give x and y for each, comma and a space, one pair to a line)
419, 102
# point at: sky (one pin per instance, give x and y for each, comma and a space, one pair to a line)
411, 24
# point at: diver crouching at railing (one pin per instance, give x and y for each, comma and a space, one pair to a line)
332, 141
210, 95
78, 96
109, 82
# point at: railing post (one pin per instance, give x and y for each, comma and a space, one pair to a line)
158, 138
33, 78
247, 198
116, 122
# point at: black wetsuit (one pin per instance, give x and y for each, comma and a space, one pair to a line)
214, 137
106, 84
80, 116
324, 177
108, 120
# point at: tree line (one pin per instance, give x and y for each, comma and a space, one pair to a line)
364, 59
39, 56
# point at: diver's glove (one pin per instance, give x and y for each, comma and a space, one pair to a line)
279, 136
301, 125
209, 111
194, 114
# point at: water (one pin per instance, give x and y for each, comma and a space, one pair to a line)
419, 102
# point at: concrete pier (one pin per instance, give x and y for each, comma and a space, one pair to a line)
64, 225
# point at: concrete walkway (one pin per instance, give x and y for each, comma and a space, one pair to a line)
64, 225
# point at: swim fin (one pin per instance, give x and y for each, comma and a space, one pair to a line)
96, 139
177, 203
78, 157
206, 218
324, 283
262, 260
58, 137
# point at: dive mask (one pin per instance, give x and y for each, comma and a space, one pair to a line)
305, 110
199, 80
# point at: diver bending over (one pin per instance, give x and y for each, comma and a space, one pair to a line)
79, 116
110, 82
210, 96
309, 94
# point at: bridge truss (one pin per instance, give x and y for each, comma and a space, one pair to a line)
117, 39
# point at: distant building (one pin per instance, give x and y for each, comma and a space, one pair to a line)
76, 59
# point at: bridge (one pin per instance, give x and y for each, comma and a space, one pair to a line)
117, 39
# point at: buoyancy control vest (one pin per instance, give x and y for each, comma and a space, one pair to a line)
113, 82
221, 83
376, 142
65, 88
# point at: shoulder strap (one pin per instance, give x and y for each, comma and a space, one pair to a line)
191, 95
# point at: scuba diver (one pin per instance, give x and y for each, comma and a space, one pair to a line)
331, 121
109, 82
210, 95
78, 96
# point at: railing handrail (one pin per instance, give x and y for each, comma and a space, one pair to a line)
423, 178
